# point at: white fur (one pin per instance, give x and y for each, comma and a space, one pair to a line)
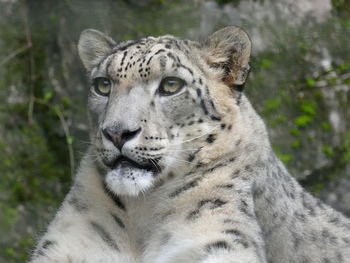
126, 186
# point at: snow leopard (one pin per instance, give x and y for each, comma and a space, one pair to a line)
180, 167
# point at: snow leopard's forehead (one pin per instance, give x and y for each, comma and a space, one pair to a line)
136, 60
137, 68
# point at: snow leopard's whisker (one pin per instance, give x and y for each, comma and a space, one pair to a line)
175, 148
184, 150
197, 137
94, 157
83, 141
155, 164
179, 160
88, 154
152, 155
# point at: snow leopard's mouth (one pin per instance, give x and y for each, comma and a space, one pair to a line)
128, 177
124, 163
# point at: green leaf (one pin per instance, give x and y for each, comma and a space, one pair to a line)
70, 140
308, 109
48, 96
311, 83
295, 132
346, 157
317, 188
328, 151
344, 67
10, 251
272, 105
66, 102
265, 63
285, 158
296, 144
326, 126
303, 121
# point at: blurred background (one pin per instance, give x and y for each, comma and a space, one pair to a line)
300, 84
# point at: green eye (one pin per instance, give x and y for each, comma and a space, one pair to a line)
170, 85
102, 86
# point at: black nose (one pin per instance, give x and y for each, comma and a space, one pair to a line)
119, 136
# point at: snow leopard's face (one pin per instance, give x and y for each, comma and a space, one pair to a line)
153, 109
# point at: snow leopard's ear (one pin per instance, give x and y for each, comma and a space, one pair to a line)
227, 51
93, 46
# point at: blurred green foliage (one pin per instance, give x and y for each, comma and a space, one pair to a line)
304, 102
43, 127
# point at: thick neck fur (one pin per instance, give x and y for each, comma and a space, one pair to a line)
296, 225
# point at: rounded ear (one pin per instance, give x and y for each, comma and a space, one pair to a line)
228, 51
93, 46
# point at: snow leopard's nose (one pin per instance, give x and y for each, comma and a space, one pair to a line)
118, 135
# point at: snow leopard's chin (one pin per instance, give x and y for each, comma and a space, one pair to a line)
130, 178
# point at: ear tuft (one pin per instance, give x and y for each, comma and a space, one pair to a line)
228, 50
93, 46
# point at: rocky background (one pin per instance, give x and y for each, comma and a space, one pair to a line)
300, 84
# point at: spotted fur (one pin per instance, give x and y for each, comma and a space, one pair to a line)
187, 177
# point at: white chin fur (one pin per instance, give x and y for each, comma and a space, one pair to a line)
121, 184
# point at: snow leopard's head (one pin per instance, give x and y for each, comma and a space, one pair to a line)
163, 106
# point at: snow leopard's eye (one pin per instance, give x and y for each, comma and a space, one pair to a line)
170, 85
102, 86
